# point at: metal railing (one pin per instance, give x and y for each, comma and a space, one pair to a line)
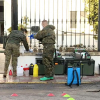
72, 19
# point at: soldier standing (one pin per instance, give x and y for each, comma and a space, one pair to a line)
12, 49
47, 37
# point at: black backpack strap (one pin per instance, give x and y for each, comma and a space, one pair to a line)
77, 77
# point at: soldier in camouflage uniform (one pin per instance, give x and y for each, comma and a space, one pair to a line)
12, 49
47, 37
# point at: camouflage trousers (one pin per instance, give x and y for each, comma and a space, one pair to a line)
48, 52
11, 51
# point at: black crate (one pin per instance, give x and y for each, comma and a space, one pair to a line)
88, 66
58, 70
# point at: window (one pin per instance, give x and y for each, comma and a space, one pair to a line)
82, 18
73, 19
83, 15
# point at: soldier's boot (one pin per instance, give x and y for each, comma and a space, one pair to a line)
14, 74
5, 74
46, 78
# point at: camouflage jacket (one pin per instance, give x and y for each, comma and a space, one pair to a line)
15, 37
46, 35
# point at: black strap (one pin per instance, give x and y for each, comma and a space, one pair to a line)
74, 70
77, 77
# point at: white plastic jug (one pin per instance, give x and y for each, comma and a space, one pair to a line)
19, 70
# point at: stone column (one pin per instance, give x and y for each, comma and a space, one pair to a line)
14, 14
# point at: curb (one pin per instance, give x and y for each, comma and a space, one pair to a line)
40, 82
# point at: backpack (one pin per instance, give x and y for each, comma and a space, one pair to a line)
74, 76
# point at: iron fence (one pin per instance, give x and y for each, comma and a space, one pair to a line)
75, 21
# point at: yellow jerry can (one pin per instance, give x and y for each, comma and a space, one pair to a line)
35, 70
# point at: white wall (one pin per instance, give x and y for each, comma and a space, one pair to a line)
7, 14
23, 60
97, 61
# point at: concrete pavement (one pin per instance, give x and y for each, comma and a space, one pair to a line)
41, 91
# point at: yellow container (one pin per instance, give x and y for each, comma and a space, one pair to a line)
35, 70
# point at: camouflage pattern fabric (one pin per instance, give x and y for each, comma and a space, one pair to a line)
16, 36
47, 37
7, 61
12, 49
48, 52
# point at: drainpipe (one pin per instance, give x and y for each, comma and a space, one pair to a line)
14, 14
99, 28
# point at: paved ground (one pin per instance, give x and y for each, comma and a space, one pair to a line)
41, 91
57, 79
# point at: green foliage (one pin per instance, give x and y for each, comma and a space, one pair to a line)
24, 24
25, 20
91, 7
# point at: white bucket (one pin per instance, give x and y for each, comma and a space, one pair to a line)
26, 71
19, 70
